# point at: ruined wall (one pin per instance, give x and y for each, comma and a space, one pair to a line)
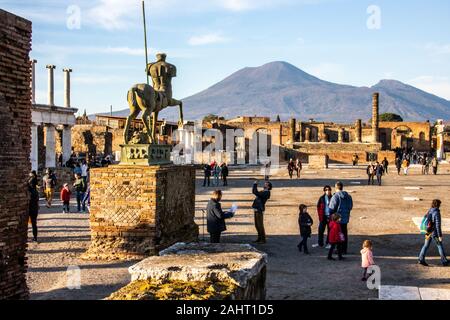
15, 145
138, 210
94, 139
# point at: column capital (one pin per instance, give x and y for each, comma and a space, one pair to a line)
50, 66
34, 61
67, 70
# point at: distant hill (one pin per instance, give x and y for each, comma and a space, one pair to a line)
279, 88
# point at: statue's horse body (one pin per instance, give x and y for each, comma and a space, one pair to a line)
143, 97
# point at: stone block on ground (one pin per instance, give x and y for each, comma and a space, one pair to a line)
136, 211
221, 271
317, 162
399, 293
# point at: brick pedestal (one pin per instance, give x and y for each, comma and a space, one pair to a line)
136, 211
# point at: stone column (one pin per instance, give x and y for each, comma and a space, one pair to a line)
67, 143
51, 85
341, 132
358, 131
375, 117
34, 155
440, 128
292, 124
50, 147
33, 81
307, 135
67, 87
300, 128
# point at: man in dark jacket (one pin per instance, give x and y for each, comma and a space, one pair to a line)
385, 164
379, 170
342, 204
224, 172
323, 212
207, 172
33, 205
259, 206
370, 174
434, 217
398, 164
215, 217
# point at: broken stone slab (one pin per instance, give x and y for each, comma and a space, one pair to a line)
411, 199
399, 293
413, 188
355, 182
237, 264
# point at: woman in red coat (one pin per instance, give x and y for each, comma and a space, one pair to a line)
336, 237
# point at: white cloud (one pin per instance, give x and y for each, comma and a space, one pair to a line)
437, 85
206, 39
82, 50
437, 49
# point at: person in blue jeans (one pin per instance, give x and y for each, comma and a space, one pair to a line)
434, 233
342, 204
80, 188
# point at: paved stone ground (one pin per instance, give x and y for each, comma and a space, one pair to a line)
380, 214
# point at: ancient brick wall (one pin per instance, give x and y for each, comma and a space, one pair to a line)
138, 210
15, 130
94, 139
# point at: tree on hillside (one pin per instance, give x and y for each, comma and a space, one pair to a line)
389, 117
278, 119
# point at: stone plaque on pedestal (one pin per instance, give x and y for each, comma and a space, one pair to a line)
145, 154
137, 210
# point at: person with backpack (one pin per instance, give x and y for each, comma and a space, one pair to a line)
207, 173
49, 184
298, 168
291, 168
259, 206
342, 204
433, 224
370, 174
304, 222
323, 211
336, 237
80, 188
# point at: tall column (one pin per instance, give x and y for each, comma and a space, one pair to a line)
440, 129
50, 146
292, 124
33, 81
51, 85
34, 155
307, 135
375, 117
67, 143
341, 132
67, 87
358, 132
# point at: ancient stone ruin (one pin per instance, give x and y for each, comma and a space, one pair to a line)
15, 124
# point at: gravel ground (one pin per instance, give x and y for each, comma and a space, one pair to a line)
380, 214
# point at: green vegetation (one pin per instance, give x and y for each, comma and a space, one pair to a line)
211, 117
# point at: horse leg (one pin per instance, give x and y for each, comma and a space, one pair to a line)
154, 124
134, 112
174, 102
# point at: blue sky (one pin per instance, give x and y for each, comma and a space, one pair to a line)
210, 39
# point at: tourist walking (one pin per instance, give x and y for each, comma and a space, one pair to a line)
434, 165
423, 162
298, 168
215, 217
259, 206
80, 188
65, 197
323, 211
33, 205
224, 171
405, 166
379, 170
77, 170
84, 171
433, 233
87, 198
366, 258
370, 174
342, 204
291, 168
216, 172
49, 184
398, 165
336, 237
385, 164
305, 223
207, 173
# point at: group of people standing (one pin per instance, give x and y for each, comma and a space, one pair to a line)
294, 167
80, 187
377, 170
216, 171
